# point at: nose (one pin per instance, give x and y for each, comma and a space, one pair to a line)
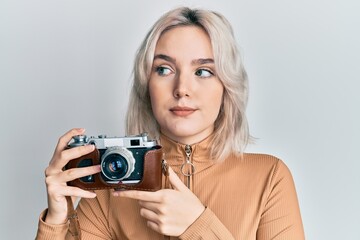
182, 86
180, 93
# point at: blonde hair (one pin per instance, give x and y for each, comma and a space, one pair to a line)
231, 133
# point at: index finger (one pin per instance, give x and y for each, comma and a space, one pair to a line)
65, 139
62, 158
139, 195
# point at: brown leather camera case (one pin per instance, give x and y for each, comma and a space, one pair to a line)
152, 173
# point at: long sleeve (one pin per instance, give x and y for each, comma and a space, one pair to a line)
93, 223
281, 216
208, 227
50, 232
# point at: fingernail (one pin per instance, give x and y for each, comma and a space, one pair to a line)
81, 129
115, 194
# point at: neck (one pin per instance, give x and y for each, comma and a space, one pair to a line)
188, 140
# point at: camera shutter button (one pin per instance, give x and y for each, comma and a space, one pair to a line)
78, 140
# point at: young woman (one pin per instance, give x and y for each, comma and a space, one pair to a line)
190, 92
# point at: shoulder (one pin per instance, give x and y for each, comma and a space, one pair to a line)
260, 166
275, 171
257, 175
260, 160
254, 160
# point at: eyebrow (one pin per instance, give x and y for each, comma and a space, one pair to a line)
164, 57
199, 61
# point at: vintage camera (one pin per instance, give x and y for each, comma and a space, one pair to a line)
121, 158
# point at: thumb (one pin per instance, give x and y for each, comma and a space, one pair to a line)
176, 181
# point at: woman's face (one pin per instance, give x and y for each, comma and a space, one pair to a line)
185, 91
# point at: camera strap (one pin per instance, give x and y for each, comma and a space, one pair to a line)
165, 172
74, 226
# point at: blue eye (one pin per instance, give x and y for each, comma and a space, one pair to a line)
163, 71
204, 73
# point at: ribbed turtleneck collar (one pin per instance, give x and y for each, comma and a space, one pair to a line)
175, 153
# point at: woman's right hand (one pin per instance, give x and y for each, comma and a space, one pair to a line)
56, 178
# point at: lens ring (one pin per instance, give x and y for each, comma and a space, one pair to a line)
117, 158
114, 166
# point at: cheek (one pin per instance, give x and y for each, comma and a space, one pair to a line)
216, 99
156, 97
217, 103
153, 97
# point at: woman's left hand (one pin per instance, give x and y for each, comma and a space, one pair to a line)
167, 211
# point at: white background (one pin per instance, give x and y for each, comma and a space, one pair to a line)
67, 64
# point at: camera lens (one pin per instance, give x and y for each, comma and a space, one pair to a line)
117, 163
115, 166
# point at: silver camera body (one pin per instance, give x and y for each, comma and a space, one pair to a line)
121, 158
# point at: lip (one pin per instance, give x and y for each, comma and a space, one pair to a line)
182, 111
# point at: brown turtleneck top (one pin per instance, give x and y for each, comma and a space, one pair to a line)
246, 198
